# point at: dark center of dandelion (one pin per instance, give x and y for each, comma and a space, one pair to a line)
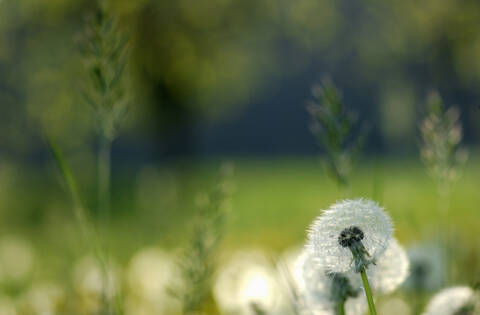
350, 236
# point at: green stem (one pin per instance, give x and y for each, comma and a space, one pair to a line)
104, 179
368, 292
340, 308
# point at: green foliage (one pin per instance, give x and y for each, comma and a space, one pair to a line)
197, 263
336, 130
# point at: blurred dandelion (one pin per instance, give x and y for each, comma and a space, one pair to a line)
441, 132
246, 284
350, 236
344, 224
16, 260
322, 293
394, 306
43, 299
336, 130
452, 301
95, 284
390, 270
7, 306
428, 267
150, 274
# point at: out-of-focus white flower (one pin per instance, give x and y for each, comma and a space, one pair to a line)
391, 269
344, 222
150, 274
7, 305
16, 259
452, 301
394, 306
428, 268
246, 281
43, 299
95, 284
317, 292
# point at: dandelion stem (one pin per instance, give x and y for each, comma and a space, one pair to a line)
341, 308
368, 292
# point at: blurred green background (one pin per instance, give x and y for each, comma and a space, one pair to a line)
222, 80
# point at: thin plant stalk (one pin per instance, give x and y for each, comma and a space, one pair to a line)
104, 173
368, 292
341, 308
87, 229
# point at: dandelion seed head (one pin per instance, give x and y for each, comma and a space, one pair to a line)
451, 301
427, 267
350, 235
318, 294
357, 220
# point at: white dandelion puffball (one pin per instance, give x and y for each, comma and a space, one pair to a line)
428, 267
246, 280
16, 259
7, 306
390, 270
94, 283
43, 299
315, 290
150, 274
451, 301
323, 238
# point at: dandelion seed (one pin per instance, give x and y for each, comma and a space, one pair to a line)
245, 284
428, 267
320, 293
350, 226
452, 301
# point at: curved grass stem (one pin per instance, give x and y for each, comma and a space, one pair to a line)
368, 292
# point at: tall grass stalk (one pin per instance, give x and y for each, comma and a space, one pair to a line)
198, 262
105, 52
441, 133
440, 151
85, 224
337, 131
104, 176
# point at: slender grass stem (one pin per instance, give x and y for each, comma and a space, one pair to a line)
340, 308
103, 169
368, 292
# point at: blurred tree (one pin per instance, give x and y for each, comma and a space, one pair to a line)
202, 59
